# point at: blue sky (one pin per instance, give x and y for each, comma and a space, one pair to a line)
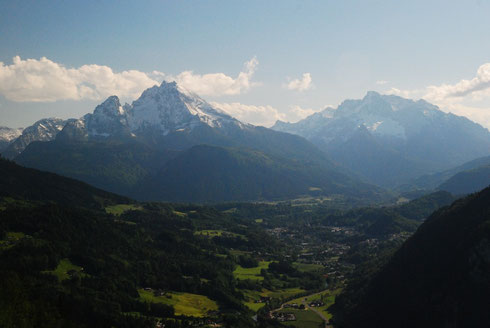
301, 55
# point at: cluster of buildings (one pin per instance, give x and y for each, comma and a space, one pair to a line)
284, 316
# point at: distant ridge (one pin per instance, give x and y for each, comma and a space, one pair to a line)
405, 138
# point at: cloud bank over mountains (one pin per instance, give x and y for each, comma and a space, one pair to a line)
476, 87
257, 115
218, 84
44, 80
460, 98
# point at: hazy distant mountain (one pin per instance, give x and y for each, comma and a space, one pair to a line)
389, 140
7, 135
147, 150
468, 181
43, 130
433, 181
440, 277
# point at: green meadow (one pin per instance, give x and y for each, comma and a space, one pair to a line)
251, 273
187, 304
63, 269
121, 208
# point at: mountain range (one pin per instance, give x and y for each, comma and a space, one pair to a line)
172, 145
389, 140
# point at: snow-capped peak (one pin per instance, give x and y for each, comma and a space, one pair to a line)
110, 107
169, 108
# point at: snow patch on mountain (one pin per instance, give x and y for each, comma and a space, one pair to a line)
169, 108
9, 134
43, 130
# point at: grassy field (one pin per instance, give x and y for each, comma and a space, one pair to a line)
121, 208
218, 233
63, 268
254, 306
307, 267
191, 305
284, 293
251, 273
304, 319
181, 214
252, 295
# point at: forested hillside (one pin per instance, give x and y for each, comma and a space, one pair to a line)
438, 278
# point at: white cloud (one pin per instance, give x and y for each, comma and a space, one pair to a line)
413, 94
218, 84
302, 84
257, 115
43, 80
478, 86
458, 98
298, 113
381, 82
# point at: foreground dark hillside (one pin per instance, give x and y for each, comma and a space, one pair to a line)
100, 263
439, 278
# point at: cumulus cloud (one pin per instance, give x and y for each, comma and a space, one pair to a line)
458, 98
298, 113
218, 84
412, 94
302, 84
257, 115
477, 86
44, 80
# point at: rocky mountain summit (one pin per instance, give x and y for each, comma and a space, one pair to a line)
43, 130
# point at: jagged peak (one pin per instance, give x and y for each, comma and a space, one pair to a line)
111, 101
169, 107
45, 123
111, 106
48, 119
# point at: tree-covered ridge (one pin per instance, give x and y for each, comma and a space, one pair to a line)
438, 278
35, 185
